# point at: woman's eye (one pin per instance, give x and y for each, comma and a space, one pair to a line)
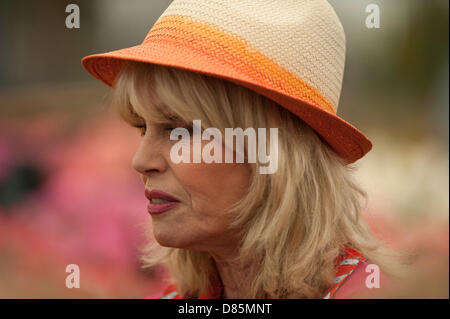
142, 129
171, 127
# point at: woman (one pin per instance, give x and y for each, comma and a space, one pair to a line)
224, 229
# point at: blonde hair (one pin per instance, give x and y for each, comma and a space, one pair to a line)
293, 223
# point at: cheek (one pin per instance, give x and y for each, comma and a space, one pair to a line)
213, 187
203, 221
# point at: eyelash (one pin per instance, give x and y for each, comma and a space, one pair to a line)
170, 128
143, 128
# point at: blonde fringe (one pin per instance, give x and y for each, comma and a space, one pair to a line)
293, 223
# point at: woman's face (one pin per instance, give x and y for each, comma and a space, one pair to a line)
204, 191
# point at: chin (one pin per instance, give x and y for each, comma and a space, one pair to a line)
168, 237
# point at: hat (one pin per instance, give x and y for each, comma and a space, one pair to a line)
291, 51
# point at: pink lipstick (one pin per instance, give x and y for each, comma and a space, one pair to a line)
160, 202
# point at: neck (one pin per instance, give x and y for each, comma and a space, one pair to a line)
235, 278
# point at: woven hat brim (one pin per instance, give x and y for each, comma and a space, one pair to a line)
346, 140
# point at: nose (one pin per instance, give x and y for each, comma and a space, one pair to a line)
148, 158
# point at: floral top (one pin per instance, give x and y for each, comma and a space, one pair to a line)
346, 263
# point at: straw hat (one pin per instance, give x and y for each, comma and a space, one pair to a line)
291, 51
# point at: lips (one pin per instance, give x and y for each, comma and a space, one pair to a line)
159, 201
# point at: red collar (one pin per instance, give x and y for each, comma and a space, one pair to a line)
347, 261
